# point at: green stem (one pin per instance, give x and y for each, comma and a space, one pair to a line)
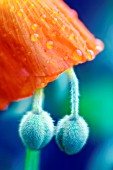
32, 160
74, 92
37, 100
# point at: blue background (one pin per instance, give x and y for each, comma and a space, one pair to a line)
96, 104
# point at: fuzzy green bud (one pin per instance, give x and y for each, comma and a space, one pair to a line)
36, 130
71, 134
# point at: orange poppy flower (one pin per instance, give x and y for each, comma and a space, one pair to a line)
38, 41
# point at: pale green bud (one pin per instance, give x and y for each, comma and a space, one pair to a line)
71, 134
36, 130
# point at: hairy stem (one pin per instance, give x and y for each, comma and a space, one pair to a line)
37, 100
74, 92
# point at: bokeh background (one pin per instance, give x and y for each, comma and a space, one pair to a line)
96, 104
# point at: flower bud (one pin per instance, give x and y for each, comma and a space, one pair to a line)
36, 130
71, 134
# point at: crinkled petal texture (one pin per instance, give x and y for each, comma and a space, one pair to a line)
38, 41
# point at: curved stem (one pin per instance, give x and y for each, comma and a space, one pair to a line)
37, 100
74, 92
32, 160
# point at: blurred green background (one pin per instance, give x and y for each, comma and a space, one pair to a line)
96, 104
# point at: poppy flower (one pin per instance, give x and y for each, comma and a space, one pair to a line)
38, 41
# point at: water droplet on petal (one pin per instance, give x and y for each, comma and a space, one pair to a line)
90, 55
43, 17
42, 84
34, 27
66, 58
34, 37
26, 18
20, 12
78, 55
99, 48
77, 37
72, 36
12, 8
61, 59
32, 6
53, 61
79, 52
99, 45
54, 21
48, 62
63, 27
49, 45
56, 11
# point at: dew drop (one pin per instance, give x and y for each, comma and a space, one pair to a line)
61, 59
12, 8
42, 84
66, 58
54, 21
32, 6
26, 18
71, 64
53, 61
99, 48
90, 55
34, 27
63, 27
48, 62
79, 52
78, 55
77, 37
20, 12
72, 36
99, 45
43, 17
49, 45
56, 11
53, 33
34, 37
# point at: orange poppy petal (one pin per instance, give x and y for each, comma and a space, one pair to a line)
38, 41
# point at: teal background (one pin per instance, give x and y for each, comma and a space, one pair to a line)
96, 104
